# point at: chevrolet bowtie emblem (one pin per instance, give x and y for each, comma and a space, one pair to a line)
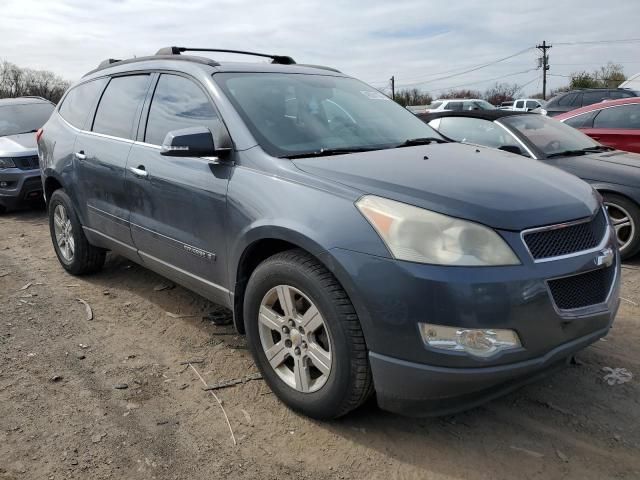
605, 258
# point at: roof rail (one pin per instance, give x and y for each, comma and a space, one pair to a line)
321, 67
281, 59
187, 58
108, 61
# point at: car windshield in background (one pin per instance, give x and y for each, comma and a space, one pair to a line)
298, 114
549, 135
433, 106
23, 118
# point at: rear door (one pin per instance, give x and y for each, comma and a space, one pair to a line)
178, 204
102, 152
618, 127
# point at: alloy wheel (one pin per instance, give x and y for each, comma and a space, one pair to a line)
622, 223
295, 339
64, 232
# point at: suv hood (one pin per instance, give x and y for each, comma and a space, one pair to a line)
21, 144
488, 186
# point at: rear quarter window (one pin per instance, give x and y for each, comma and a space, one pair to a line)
79, 102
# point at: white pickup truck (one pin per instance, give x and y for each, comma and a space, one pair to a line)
525, 104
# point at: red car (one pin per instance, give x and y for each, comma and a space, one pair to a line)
615, 123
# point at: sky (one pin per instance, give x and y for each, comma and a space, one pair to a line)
418, 42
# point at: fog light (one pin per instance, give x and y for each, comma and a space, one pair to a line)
477, 342
4, 184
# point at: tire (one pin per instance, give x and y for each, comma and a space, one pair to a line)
348, 383
83, 257
625, 216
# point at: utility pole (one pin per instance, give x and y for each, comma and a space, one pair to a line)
545, 66
393, 87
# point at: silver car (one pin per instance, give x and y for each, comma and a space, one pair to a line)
20, 118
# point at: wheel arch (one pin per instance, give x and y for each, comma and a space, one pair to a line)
259, 244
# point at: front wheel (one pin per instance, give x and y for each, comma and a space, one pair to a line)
305, 336
625, 217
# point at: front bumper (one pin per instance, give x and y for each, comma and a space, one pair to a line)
392, 297
23, 186
422, 390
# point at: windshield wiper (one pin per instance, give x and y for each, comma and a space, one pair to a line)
29, 131
329, 151
582, 151
412, 142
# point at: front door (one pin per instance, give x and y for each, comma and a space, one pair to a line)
178, 203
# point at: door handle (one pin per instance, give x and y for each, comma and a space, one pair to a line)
139, 171
80, 155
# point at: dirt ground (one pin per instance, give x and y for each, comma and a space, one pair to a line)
62, 417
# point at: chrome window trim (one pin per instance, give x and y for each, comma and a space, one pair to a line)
600, 246
600, 109
103, 135
522, 144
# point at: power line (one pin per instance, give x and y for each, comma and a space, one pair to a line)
597, 42
488, 79
473, 69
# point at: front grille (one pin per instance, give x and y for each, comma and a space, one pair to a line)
564, 240
26, 163
582, 290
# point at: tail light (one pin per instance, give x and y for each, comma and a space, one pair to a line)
39, 134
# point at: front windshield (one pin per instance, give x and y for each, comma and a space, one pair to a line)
549, 135
295, 114
23, 118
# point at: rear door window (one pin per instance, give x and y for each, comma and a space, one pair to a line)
624, 116
589, 98
566, 100
519, 104
80, 101
584, 120
178, 103
455, 106
120, 106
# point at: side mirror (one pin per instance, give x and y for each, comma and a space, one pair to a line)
511, 149
190, 142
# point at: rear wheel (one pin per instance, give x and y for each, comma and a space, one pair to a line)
74, 252
625, 216
305, 336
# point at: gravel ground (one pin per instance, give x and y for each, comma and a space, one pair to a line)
109, 397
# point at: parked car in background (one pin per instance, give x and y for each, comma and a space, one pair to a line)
458, 104
526, 104
581, 98
20, 118
631, 83
615, 174
506, 105
615, 123
358, 249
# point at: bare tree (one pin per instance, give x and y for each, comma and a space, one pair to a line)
412, 96
16, 82
461, 93
502, 92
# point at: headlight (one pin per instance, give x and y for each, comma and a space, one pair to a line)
477, 342
543, 111
418, 235
7, 163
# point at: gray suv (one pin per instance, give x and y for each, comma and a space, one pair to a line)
20, 118
359, 250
